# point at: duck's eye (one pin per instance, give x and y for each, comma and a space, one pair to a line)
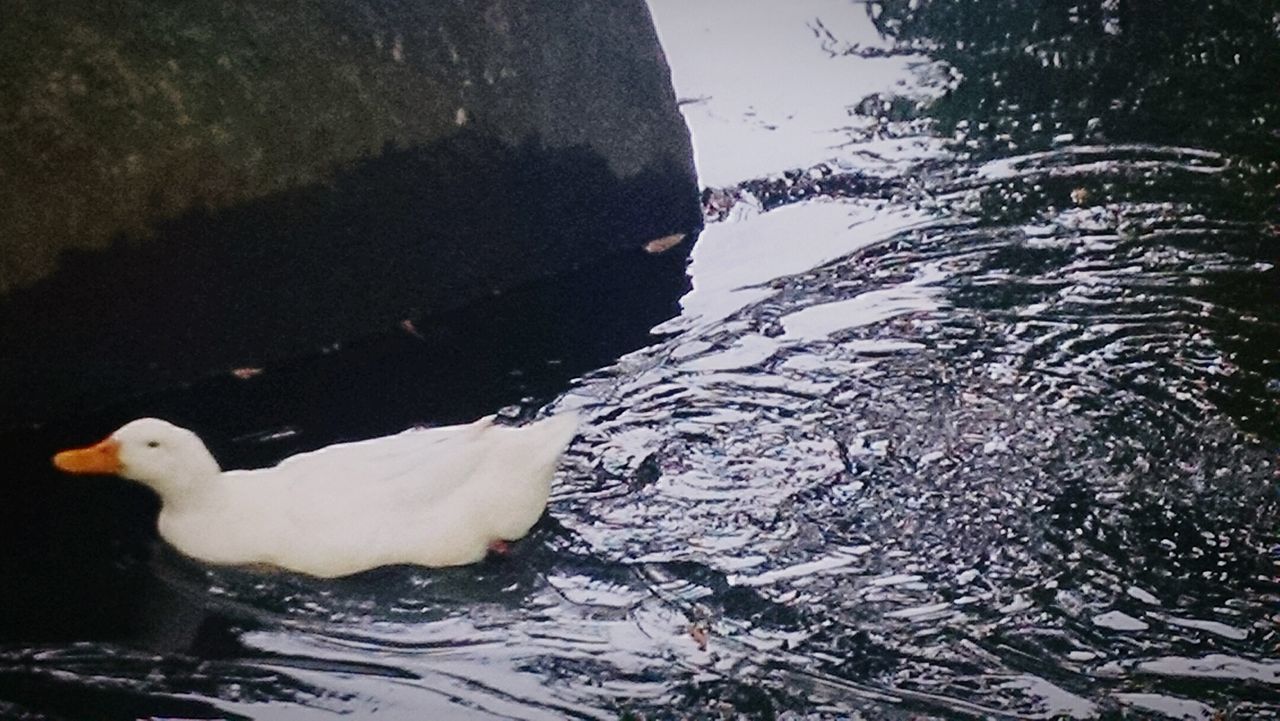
153, 444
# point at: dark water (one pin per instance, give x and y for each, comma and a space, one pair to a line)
975, 413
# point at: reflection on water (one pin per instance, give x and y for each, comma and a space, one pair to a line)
994, 437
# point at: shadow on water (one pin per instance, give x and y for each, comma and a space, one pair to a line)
534, 340
992, 434
408, 234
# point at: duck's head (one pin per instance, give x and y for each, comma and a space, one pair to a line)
150, 451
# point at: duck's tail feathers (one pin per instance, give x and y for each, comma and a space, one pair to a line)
557, 431
544, 441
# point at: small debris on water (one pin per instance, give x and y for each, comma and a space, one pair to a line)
268, 436
699, 632
246, 373
663, 244
408, 327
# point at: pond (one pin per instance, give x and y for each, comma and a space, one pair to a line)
972, 411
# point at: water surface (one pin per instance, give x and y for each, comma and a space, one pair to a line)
971, 412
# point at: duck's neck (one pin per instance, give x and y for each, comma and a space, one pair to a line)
195, 483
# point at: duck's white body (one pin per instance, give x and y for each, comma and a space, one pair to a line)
430, 497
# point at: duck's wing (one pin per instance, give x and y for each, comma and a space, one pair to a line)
434, 496
427, 459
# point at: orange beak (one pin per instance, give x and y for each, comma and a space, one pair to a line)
102, 457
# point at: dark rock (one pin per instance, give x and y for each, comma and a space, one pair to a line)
195, 187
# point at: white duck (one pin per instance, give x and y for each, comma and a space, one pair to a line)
430, 497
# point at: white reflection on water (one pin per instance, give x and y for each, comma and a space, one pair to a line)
1167, 706
733, 262
763, 76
